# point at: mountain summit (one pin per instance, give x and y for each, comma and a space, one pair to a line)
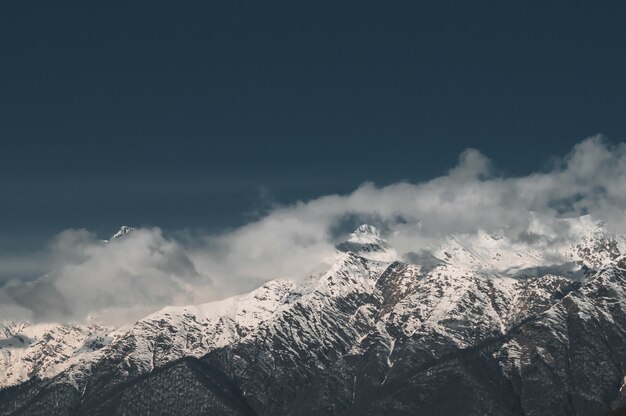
366, 230
123, 231
367, 242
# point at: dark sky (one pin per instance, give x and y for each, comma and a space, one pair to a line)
200, 114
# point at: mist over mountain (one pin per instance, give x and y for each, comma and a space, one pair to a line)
472, 293
119, 280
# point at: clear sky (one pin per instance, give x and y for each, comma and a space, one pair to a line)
202, 114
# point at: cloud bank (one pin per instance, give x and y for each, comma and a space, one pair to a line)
129, 277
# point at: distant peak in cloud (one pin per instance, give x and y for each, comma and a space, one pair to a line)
124, 230
366, 229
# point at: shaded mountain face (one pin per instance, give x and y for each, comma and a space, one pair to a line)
474, 330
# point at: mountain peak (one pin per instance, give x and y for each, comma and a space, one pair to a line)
365, 234
599, 247
366, 242
124, 230
366, 229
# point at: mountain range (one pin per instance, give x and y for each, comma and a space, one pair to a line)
476, 325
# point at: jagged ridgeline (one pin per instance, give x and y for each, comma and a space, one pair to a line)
485, 328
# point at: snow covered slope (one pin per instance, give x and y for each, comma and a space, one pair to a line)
44, 350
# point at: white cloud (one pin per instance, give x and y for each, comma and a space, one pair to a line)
118, 280
131, 276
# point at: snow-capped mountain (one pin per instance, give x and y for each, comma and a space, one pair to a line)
124, 230
366, 242
483, 327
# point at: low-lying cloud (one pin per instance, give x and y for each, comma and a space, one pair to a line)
129, 277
